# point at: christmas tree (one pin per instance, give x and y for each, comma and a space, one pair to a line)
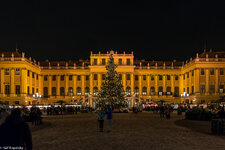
112, 92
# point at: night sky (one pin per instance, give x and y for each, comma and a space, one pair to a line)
153, 29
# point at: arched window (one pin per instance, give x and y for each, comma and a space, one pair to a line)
78, 91
62, 91
160, 90
53, 91
95, 91
168, 90
136, 91
70, 91
144, 91
152, 90
128, 90
86, 91
45, 91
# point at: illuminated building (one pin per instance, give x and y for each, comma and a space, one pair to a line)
25, 81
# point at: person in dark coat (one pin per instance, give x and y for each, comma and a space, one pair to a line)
15, 132
109, 118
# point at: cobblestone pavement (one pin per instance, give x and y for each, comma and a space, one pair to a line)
130, 131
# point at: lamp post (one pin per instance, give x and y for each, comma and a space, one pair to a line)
184, 95
37, 96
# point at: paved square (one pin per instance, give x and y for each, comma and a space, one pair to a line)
130, 131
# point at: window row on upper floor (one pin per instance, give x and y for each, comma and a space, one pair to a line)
120, 61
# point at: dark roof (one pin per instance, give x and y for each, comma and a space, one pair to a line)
9, 54
159, 63
212, 54
63, 63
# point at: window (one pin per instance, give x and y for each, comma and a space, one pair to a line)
120, 76
62, 91
128, 90
103, 76
192, 90
17, 89
70, 91
176, 77
54, 78
136, 77
128, 76
211, 71
78, 91
36, 90
17, 102
120, 61
202, 89
221, 89
78, 78
212, 89
95, 77
86, 91
202, 71
95, 61
45, 78
187, 74
128, 61
7, 71
188, 90
95, 91
28, 90
168, 90
53, 91
32, 74
192, 72
136, 91
17, 71
87, 77
28, 73
7, 89
32, 90
45, 92
176, 91
70, 77
103, 61
160, 91
152, 77
144, 91
37, 76
144, 77
183, 89
168, 77
160, 77
221, 71
62, 77
184, 76
152, 91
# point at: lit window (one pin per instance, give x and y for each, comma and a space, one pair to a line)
17, 71
7, 71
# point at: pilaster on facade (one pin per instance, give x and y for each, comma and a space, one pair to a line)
24, 81
91, 83
216, 81
148, 85
196, 80
49, 85
58, 85
172, 83
132, 83
207, 81
156, 84
12, 82
66, 84
82, 84
164, 83
181, 87
140, 84
74, 85
99, 81
2, 83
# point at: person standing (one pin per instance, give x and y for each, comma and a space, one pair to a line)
101, 118
109, 118
15, 132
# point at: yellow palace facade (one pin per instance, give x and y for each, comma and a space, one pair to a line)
25, 81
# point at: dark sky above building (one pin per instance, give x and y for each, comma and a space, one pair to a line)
159, 29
